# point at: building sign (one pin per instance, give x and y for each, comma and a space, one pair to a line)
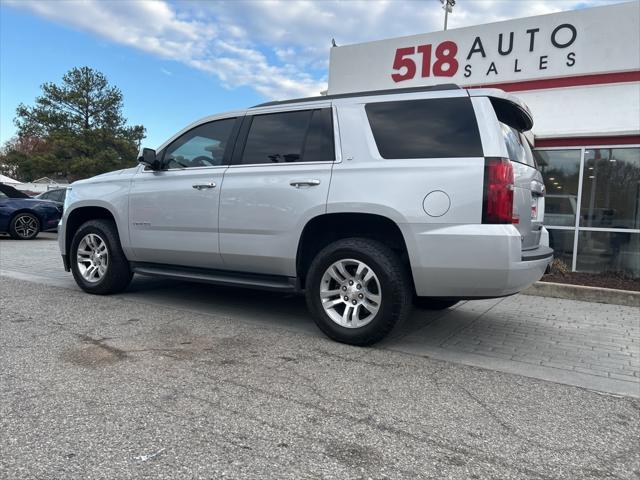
580, 42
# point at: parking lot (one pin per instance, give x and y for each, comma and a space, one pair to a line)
179, 380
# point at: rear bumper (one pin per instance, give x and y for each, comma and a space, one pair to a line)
472, 261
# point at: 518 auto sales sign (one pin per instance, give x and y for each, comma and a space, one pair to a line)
580, 42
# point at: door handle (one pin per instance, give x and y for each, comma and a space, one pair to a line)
202, 186
308, 182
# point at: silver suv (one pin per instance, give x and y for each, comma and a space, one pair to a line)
367, 202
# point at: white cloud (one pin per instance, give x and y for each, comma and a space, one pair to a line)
278, 47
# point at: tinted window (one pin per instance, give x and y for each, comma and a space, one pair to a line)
425, 128
202, 146
319, 144
290, 137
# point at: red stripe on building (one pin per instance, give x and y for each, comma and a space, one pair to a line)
587, 141
595, 79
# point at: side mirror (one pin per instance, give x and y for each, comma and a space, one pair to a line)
149, 159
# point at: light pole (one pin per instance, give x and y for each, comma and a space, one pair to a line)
447, 5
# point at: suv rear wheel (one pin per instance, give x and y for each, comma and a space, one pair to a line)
358, 290
97, 262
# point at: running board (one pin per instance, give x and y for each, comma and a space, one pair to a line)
218, 277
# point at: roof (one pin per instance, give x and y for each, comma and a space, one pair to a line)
44, 180
370, 93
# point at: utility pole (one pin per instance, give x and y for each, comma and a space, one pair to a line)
447, 5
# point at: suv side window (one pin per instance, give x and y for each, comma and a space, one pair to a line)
299, 136
202, 146
320, 146
433, 128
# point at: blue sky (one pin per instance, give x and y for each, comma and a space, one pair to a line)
178, 61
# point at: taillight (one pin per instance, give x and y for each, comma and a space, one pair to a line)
497, 205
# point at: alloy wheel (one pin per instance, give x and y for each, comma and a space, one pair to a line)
350, 293
92, 257
26, 226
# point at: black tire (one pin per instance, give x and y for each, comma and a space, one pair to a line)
433, 303
16, 227
395, 285
118, 272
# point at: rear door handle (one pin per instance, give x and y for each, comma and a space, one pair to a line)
308, 182
202, 186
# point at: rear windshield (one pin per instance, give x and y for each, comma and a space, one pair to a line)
435, 128
517, 145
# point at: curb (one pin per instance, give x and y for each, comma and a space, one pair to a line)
584, 294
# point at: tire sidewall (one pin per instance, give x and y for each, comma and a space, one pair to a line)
118, 274
12, 229
355, 336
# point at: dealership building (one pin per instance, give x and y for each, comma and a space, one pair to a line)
579, 72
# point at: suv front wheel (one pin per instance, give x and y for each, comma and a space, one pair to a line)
97, 261
357, 290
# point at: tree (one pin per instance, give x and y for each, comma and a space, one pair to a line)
75, 130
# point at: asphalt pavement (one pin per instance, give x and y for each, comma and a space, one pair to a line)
190, 381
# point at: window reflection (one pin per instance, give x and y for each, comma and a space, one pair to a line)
611, 188
609, 252
561, 172
562, 243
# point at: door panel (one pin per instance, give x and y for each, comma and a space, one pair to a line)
171, 221
262, 214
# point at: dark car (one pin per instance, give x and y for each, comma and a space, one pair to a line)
23, 217
55, 195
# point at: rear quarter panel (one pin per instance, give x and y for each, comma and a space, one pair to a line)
366, 182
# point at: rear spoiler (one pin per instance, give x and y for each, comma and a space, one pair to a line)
509, 108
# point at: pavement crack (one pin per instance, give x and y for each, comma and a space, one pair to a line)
505, 425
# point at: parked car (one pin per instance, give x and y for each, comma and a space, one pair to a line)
362, 201
23, 217
54, 195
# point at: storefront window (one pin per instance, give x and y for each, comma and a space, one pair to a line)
608, 202
561, 172
611, 188
562, 243
609, 252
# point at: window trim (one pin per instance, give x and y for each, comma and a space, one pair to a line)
243, 135
226, 156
